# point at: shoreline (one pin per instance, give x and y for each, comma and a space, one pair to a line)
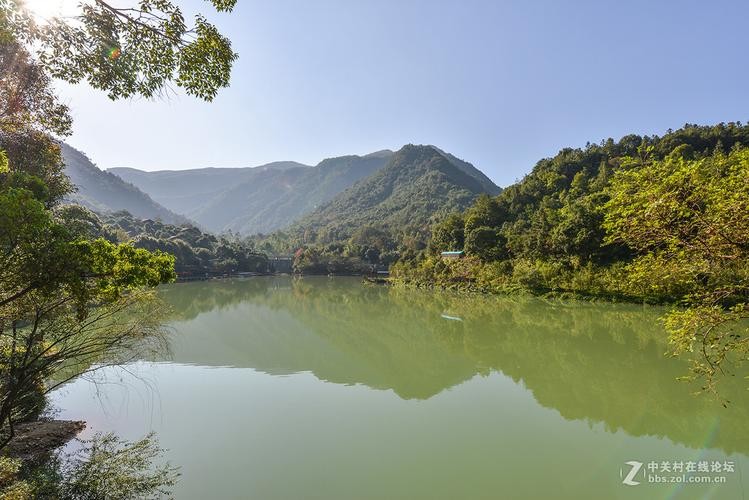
187, 279
559, 294
36, 440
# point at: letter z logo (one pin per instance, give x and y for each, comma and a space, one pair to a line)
629, 479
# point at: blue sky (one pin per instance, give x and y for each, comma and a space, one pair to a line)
500, 84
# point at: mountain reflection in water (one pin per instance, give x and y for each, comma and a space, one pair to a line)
595, 362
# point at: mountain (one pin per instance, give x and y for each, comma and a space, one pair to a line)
417, 186
254, 200
486, 183
104, 192
554, 229
186, 191
310, 190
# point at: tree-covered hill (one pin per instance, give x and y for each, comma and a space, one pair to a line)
196, 253
418, 186
655, 219
219, 213
487, 184
104, 192
408, 190
556, 211
383, 216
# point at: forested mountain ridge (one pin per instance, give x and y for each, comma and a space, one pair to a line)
254, 200
487, 184
419, 185
555, 211
383, 202
104, 192
261, 200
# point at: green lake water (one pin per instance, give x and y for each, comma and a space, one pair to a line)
281, 388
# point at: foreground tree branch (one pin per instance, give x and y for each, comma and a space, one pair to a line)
127, 52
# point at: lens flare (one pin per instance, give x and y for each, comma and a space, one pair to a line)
114, 53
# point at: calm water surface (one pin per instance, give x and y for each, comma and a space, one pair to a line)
326, 388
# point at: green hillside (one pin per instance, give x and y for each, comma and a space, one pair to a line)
196, 253
383, 217
220, 212
418, 186
559, 229
486, 183
104, 192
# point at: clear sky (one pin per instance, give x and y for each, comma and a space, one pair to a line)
498, 83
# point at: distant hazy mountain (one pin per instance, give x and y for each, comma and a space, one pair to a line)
417, 185
186, 191
105, 192
310, 190
254, 200
410, 188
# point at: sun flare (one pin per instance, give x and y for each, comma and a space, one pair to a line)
47, 9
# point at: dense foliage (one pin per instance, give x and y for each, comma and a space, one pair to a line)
63, 296
195, 252
128, 51
659, 219
367, 250
687, 220
71, 302
103, 466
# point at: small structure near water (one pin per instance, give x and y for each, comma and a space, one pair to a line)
378, 276
456, 254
